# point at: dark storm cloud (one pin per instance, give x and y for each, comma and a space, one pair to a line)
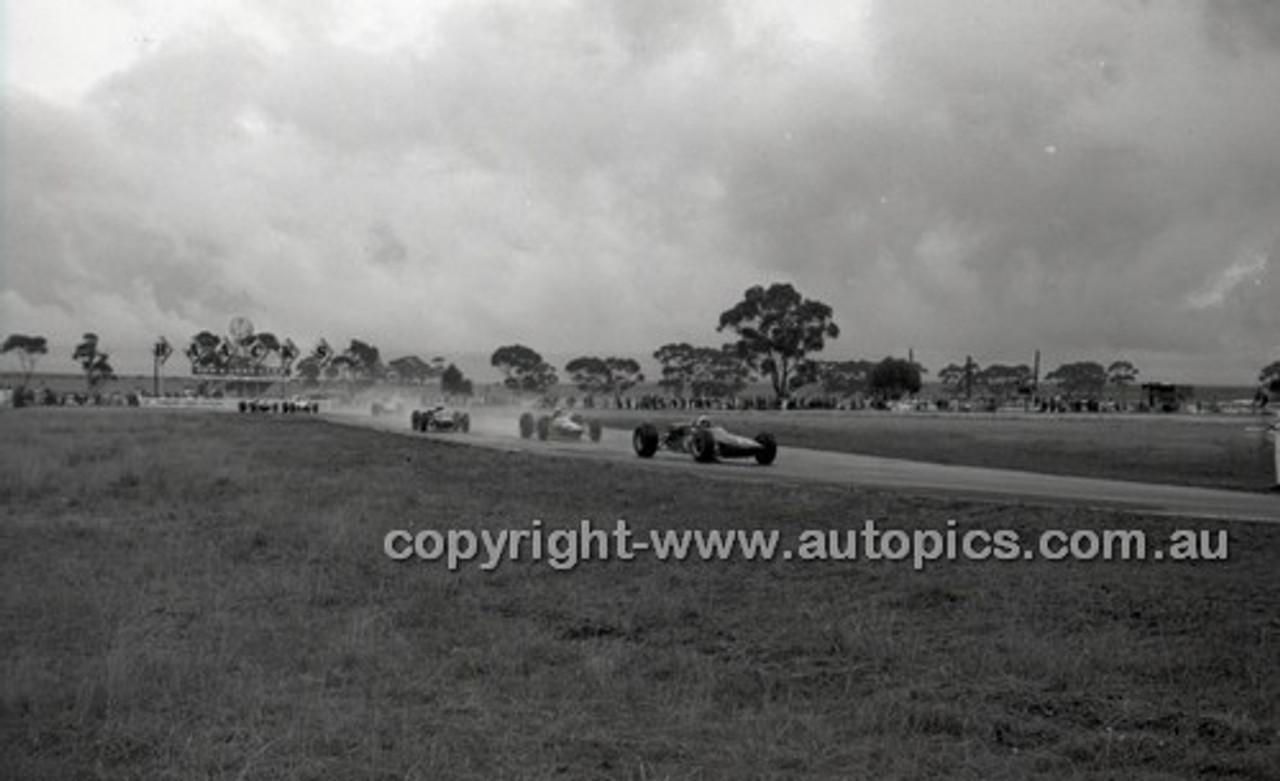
384, 248
1091, 178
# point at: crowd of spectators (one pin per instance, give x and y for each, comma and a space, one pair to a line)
48, 397
1038, 404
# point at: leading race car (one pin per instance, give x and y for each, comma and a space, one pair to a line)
440, 418
560, 424
704, 441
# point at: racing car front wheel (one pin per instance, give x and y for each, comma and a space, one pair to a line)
464, 423
768, 451
594, 430
544, 427
526, 425
415, 420
645, 440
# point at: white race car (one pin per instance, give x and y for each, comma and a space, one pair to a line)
560, 424
302, 404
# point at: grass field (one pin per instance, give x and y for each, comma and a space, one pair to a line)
1215, 451
1210, 451
192, 596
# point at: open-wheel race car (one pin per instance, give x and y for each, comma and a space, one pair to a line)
560, 424
704, 441
294, 404
302, 404
259, 405
440, 418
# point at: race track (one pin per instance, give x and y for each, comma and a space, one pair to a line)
499, 431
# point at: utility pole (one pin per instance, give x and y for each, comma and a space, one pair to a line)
1035, 381
1275, 450
911, 361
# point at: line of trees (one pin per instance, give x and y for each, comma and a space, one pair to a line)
361, 364
778, 332
1075, 380
246, 352
93, 360
249, 353
242, 351
776, 328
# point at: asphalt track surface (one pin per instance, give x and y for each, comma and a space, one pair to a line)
500, 431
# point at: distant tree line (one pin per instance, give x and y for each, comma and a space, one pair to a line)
245, 352
779, 332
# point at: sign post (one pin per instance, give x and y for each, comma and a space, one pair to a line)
1275, 451
159, 354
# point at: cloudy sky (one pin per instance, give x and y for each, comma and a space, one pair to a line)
1093, 179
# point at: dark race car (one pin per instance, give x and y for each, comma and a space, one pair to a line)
559, 425
440, 418
704, 441
259, 405
295, 404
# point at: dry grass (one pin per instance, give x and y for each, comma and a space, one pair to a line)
196, 596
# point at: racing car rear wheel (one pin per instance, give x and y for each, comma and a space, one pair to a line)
526, 425
769, 452
594, 430
703, 446
415, 420
464, 423
645, 440
544, 427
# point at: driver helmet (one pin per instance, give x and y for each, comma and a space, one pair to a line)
702, 421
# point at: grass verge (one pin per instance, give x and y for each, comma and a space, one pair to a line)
195, 596
1213, 452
